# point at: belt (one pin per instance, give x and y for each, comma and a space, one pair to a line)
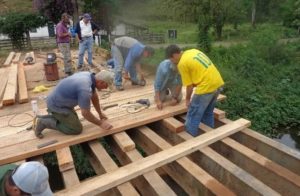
85, 37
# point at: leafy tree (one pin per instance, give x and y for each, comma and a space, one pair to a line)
16, 25
204, 24
53, 9
290, 12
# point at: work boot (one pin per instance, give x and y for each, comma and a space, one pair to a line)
139, 82
43, 123
119, 88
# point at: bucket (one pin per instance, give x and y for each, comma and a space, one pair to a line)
51, 71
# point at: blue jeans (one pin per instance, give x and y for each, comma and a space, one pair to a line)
119, 66
85, 44
201, 109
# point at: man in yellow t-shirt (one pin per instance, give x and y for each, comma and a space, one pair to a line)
197, 71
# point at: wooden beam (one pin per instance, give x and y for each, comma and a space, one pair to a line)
9, 59
23, 94
225, 171
148, 184
65, 159
183, 171
173, 124
275, 151
130, 171
66, 167
4, 76
103, 164
219, 114
17, 58
124, 141
9, 97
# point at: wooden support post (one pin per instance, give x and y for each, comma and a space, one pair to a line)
23, 94
9, 97
102, 163
148, 184
275, 151
173, 124
4, 76
9, 59
124, 141
219, 114
139, 167
66, 167
17, 58
183, 170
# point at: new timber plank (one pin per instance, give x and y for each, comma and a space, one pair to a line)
229, 174
66, 167
23, 94
139, 167
173, 124
148, 184
106, 164
4, 76
9, 59
9, 96
124, 141
275, 151
28, 147
17, 58
186, 173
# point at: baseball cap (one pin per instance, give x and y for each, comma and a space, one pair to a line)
105, 76
87, 16
32, 177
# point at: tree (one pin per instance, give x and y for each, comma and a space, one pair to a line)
204, 23
53, 9
16, 25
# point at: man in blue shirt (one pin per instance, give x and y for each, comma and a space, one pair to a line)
167, 84
78, 89
127, 53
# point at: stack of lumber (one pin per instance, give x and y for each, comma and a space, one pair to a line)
13, 81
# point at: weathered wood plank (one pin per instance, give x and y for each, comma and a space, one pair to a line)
219, 114
23, 94
105, 164
183, 171
148, 184
130, 171
9, 97
4, 76
124, 141
9, 59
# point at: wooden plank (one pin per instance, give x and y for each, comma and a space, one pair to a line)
17, 58
148, 184
124, 141
106, 164
9, 97
28, 147
9, 59
219, 114
66, 167
275, 151
229, 174
139, 167
173, 124
275, 176
65, 159
4, 76
23, 94
185, 172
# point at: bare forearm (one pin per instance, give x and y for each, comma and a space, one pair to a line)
95, 102
91, 118
189, 91
177, 91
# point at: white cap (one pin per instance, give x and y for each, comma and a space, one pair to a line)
105, 76
32, 177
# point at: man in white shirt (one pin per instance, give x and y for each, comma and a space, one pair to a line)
85, 30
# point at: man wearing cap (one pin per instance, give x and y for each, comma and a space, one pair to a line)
30, 178
85, 30
127, 53
78, 89
63, 41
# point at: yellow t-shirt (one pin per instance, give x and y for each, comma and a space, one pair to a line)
197, 69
